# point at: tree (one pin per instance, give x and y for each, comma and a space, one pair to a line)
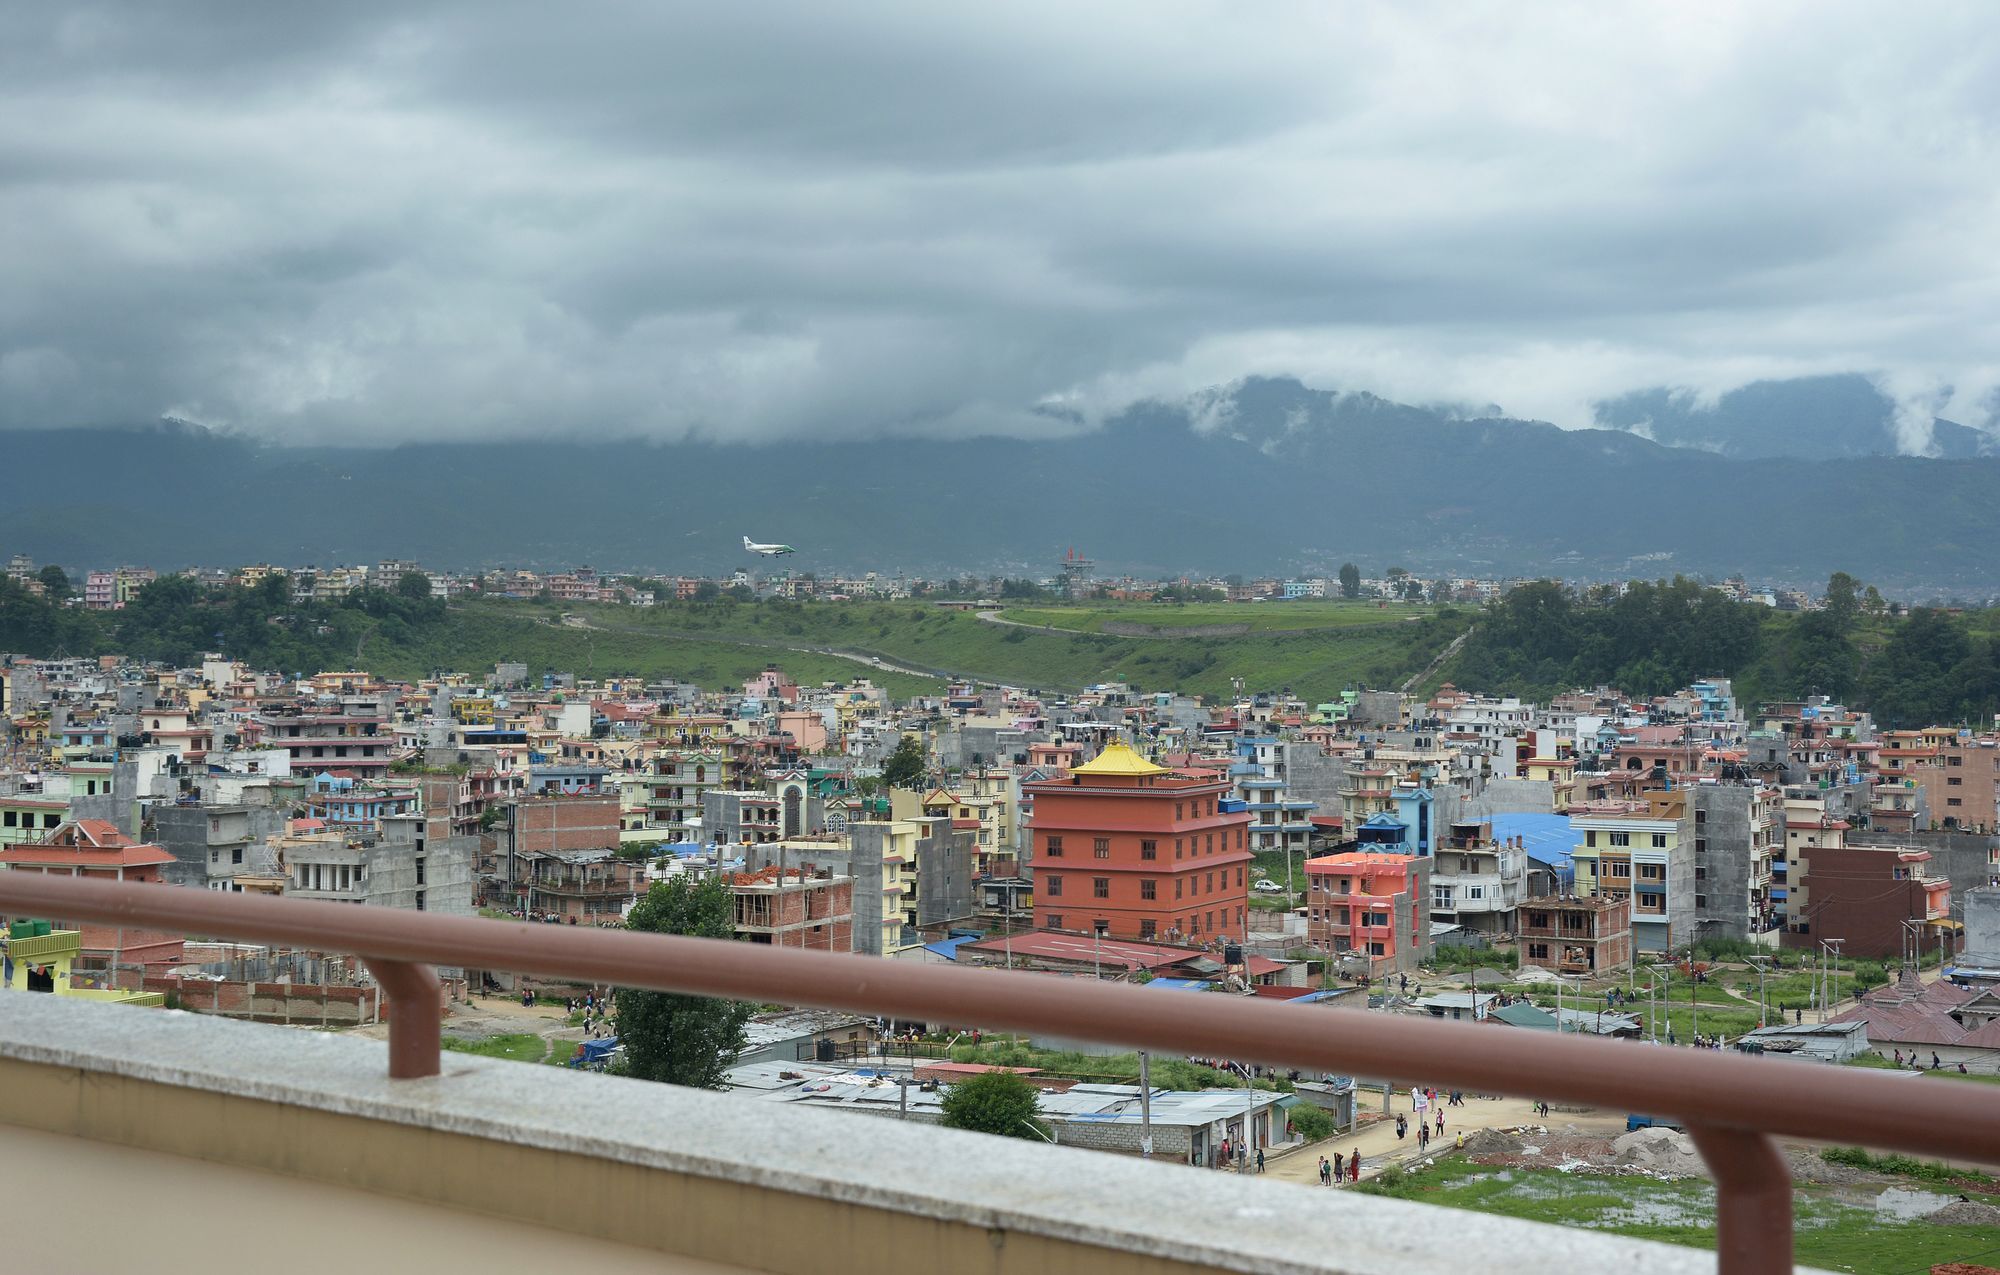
905, 767
414, 585
996, 1102
1843, 599
668, 1037
707, 591
55, 582
1350, 580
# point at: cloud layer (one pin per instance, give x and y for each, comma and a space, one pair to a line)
367, 223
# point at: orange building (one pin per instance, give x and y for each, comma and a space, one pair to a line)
1130, 849
1372, 908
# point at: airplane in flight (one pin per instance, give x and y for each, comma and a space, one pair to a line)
769, 551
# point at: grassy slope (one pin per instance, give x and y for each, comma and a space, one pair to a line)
1831, 1235
484, 634
1317, 665
1090, 618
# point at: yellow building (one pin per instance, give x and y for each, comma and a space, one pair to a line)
1640, 850
44, 961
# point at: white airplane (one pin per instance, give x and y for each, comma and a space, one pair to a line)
769, 551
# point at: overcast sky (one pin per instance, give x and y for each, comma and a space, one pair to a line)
351, 222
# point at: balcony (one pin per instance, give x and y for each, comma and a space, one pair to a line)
158, 1113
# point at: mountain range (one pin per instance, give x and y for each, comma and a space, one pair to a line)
1263, 476
1809, 418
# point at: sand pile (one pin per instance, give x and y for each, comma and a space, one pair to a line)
1667, 1152
1492, 1142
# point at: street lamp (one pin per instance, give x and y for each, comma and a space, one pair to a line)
1763, 967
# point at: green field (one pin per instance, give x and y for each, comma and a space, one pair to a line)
1260, 616
716, 642
1834, 1231
483, 634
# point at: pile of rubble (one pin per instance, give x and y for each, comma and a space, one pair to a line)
1662, 1152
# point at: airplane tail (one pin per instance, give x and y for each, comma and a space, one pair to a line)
746, 542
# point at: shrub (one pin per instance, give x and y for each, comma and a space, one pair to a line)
1312, 1123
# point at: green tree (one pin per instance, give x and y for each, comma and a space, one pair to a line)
55, 582
414, 585
668, 1037
1350, 580
905, 767
996, 1102
1843, 599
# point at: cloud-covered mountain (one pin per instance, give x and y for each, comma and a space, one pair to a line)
1813, 418
1264, 476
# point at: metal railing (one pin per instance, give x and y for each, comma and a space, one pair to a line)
1730, 1104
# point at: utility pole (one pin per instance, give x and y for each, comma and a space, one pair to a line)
1833, 972
1145, 1105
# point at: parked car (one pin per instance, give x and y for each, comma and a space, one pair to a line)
1268, 886
1651, 1122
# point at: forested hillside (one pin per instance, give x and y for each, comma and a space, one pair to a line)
1917, 668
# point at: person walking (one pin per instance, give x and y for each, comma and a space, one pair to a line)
1354, 1166
1260, 1159
1322, 1170
1440, 1122
1423, 1138
1339, 1166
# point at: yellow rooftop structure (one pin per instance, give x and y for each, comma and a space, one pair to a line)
1118, 759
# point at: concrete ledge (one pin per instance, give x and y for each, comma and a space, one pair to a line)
712, 1176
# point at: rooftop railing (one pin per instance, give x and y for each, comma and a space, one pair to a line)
1731, 1105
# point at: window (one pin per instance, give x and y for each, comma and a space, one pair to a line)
1102, 848
1149, 849
1621, 838
1100, 887
1538, 951
1374, 949
1211, 843
1701, 874
1239, 838
1239, 876
1475, 892
1539, 920
1701, 900
1055, 887
1177, 887
1177, 847
1701, 845
1618, 869
1211, 883
1180, 811
1208, 921
1103, 928
1055, 920
1701, 816
1146, 928
1055, 847
1590, 838
1149, 889
1659, 841
7, 820
1340, 916
236, 855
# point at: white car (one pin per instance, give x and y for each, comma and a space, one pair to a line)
1268, 886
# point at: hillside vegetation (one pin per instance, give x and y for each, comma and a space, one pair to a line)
1928, 666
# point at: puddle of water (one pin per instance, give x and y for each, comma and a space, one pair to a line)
1900, 1204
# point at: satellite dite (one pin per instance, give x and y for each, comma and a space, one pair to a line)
768, 551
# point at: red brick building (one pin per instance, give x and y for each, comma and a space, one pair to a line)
95, 848
1576, 936
1130, 849
813, 910
1862, 895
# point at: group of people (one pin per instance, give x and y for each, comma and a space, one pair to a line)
1916, 1064
596, 1011
1332, 1171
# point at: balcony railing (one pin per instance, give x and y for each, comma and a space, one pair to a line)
1731, 1105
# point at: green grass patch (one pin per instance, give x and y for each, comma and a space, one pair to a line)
1831, 1233
1259, 616
717, 642
514, 1046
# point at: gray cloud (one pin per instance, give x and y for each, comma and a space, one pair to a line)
373, 223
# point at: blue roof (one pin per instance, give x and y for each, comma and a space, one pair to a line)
1322, 996
1383, 819
948, 948
1548, 839
1180, 984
